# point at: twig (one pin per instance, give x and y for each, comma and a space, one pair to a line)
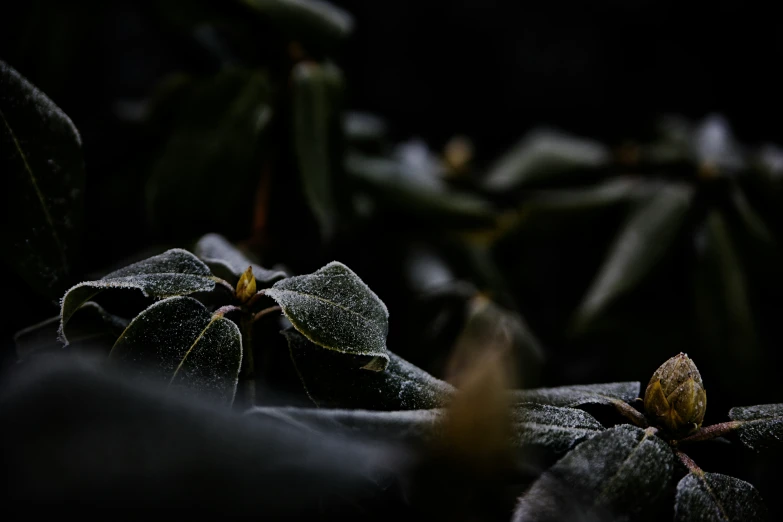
710, 432
630, 413
264, 312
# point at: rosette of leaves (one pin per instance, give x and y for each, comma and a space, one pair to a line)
666, 241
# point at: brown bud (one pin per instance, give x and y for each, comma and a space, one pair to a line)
675, 399
246, 287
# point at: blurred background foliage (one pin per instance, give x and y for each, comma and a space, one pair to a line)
572, 182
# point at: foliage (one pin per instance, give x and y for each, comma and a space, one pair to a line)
264, 189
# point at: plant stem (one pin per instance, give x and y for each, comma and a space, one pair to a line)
710, 432
689, 463
223, 310
630, 413
264, 312
224, 283
249, 370
256, 297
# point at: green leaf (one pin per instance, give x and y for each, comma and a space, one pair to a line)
316, 121
229, 262
174, 272
335, 380
619, 473
384, 179
90, 327
554, 428
761, 426
44, 184
178, 341
641, 244
334, 309
580, 395
206, 173
314, 20
712, 497
544, 156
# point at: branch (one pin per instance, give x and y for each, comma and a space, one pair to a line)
710, 432
630, 413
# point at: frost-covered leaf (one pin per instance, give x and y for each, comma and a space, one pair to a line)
335, 380
43, 175
312, 20
206, 174
333, 308
386, 181
178, 341
761, 426
90, 327
544, 156
229, 262
174, 272
316, 94
619, 473
712, 497
553, 428
406, 425
643, 241
579, 395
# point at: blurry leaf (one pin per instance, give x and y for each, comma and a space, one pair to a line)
713, 497
751, 220
579, 395
44, 181
641, 244
316, 118
90, 326
174, 272
229, 262
362, 128
334, 309
620, 473
715, 146
307, 19
761, 426
383, 179
178, 341
335, 380
545, 156
554, 428
409, 425
207, 171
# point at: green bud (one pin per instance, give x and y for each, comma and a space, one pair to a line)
675, 399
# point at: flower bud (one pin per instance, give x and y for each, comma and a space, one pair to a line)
246, 287
675, 399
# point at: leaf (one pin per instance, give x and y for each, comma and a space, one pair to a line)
641, 244
333, 379
714, 497
90, 327
384, 179
714, 145
229, 262
579, 395
174, 272
761, 426
364, 128
178, 341
316, 20
316, 121
44, 184
334, 309
554, 428
545, 156
412, 425
619, 473
205, 175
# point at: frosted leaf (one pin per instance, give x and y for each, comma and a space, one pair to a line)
619, 473
309, 19
641, 243
545, 155
178, 341
334, 309
335, 380
410, 426
228, 262
90, 327
174, 272
761, 426
43, 179
581, 394
554, 428
712, 497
